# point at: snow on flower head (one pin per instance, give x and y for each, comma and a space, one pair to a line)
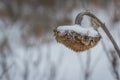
77, 38
78, 29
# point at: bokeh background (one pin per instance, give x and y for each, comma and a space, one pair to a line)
28, 50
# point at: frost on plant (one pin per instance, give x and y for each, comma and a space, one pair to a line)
77, 38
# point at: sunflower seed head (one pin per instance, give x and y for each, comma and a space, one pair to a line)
75, 41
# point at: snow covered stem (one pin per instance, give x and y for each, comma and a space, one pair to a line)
79, 18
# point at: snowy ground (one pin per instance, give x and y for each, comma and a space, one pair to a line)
53, 61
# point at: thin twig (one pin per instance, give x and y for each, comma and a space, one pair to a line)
88, 61
113, 61
4, 72
79, 18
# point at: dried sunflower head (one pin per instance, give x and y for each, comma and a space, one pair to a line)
76, 37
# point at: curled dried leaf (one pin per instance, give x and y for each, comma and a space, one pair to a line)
95, 23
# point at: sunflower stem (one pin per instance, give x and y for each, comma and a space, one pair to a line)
79, 18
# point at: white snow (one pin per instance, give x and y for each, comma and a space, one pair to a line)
40, 58
78, 29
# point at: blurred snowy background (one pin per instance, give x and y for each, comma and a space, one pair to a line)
28, 50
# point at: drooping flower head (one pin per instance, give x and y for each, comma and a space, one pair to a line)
77, 38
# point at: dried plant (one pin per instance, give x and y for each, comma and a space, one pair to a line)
102, 25
114, 61
75, 41
115, 65
79, 44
